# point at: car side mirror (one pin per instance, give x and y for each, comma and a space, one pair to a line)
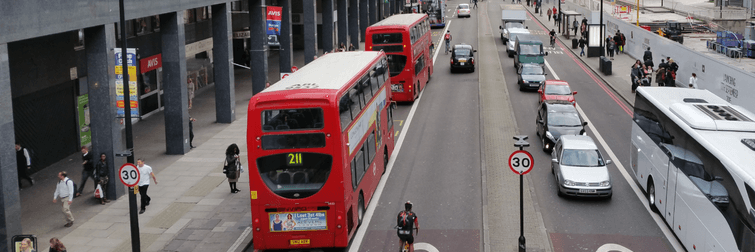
575, 92
474, 50
584, 124
540, 91
545, 74
540, 121
546, 53
500, 27
608, 162
554, 160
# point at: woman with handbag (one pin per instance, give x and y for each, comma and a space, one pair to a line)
232, 166
102, 176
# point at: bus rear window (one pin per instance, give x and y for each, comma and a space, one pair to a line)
295, 175
387, 38
396, 64
292, 119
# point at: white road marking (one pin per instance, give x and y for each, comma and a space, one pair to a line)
357, 242
425, 247
241, 238
661, 224
609, 247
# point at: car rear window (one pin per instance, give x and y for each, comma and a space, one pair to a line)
557, 90
462, 52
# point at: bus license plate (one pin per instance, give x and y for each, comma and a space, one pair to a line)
300, 242
587, 191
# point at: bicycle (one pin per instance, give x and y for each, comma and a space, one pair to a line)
553, 41
406, 245
448, 46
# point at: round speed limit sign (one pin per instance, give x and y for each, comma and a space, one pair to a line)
129, 174
521, 162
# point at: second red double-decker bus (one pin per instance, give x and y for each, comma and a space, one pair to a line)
318, 144
406, 38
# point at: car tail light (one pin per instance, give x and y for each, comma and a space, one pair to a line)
472, 60
452, 61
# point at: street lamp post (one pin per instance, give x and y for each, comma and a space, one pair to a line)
602, 50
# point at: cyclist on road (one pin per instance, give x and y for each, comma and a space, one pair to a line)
407, 220
447, 38
553, 37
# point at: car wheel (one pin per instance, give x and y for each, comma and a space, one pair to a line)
473, 69
521, 87
558, 188
553, 170
651, 196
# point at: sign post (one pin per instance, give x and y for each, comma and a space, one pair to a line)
521, 163
129, 175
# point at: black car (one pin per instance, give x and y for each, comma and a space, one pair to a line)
556, 118
462, 57
531, 76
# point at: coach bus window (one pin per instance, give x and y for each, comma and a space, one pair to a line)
292, 119
295, 175
396, 63
387, 38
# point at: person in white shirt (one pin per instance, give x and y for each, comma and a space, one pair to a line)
64, 191
145, 171
693, 81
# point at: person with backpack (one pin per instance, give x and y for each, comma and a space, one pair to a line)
447, 38
232, 166
65, 191
23, 164
406, 222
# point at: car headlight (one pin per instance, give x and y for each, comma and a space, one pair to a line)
549, 135
605, 183
569, 183
525, 81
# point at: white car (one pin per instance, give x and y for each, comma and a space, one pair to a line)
579, 168
463, 10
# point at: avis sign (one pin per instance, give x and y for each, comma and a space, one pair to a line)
273, 24
151, 63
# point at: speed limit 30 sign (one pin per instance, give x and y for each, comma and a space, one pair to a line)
129, 174
521, 162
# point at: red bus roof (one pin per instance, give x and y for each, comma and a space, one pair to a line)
400, 20
330, 71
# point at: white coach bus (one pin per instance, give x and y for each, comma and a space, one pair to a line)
693, 153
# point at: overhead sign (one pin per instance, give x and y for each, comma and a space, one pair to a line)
129, 174
151, 63
521, 162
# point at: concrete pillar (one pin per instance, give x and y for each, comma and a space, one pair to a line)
364, 18
353, 23
373, 11
106, 128
222, 51
327, 25
174, 82
258, 44
286, 52
10, 204
309, 18
343, 23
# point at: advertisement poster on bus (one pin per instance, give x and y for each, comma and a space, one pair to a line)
298, 221
273, 25
365, 121
134, 102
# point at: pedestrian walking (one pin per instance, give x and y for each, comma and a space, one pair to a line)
475, 4
232, 167
145, 172
582, 43
575, 25
191, 132
649, 62
617, 40
648, 55
550, 12
87, 171
23, 164
660, 76
351, 47
56, 245
693, 81
611, 46
102, 177
623, 41
64, 192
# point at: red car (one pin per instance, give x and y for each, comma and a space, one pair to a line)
556, 90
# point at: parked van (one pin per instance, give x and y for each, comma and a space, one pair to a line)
528, 49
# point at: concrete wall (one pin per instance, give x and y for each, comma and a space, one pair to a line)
34, 18
729, 82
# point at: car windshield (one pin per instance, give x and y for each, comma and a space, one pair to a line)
557, 90
464, 6
514, 25
585, 158
564, 119
529, 49
462, 52
532, 70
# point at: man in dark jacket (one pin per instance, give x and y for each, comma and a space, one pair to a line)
637, 75
87, 171
647, 56
102, 176
23, 164
582, 43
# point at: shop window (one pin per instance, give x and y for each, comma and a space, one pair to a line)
202, 14
189, 16
156, 23
141, 26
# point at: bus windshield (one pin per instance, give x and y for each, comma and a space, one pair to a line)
295, 175
387, 38
292, 119
396, 63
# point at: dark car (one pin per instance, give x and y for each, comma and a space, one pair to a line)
531, 76
462, 57
556, 118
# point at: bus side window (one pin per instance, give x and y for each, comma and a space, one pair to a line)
345, 112
354, 182
356, 102
366, 88
371, 147
390, 118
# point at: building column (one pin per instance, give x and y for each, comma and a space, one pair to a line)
364, 18
327, 25
101, 86
353, 23
373, 11
258, 44
343, 23
388, 8
309, 18
10, 202
286, 52
174, 82
222, 51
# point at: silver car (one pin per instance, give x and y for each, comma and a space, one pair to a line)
463, 10
579, 168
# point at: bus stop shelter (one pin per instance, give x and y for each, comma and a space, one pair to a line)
568, 17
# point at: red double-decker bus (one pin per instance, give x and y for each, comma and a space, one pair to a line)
406, 38
318, 144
